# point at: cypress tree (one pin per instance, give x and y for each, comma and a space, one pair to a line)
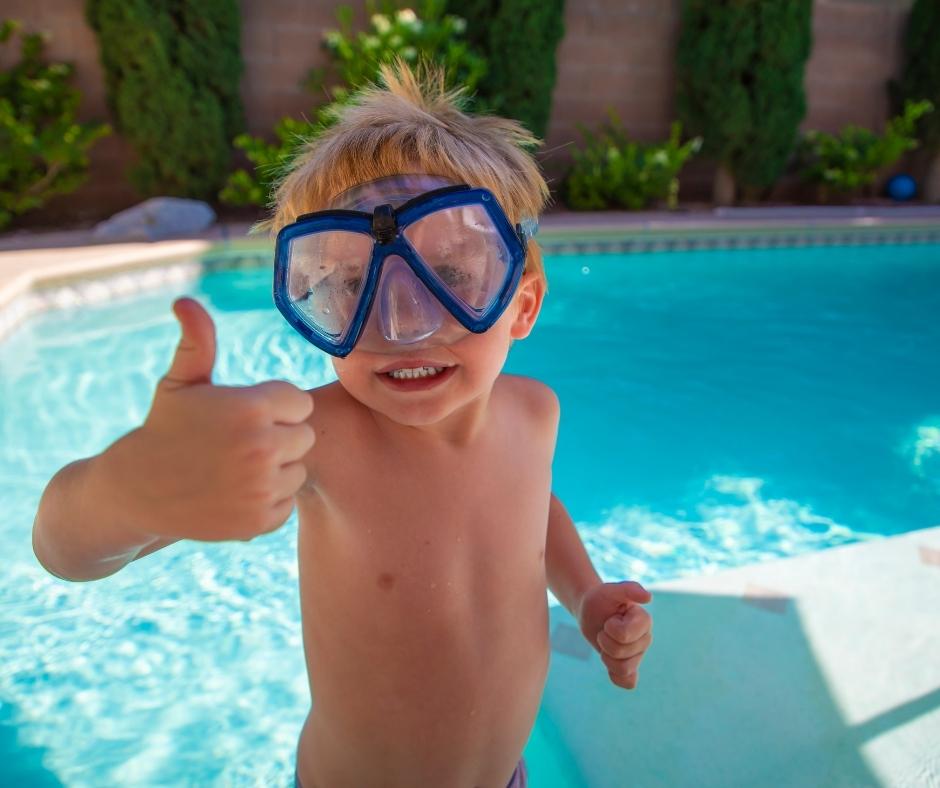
740, 66
172, 69
920, 79
518, 39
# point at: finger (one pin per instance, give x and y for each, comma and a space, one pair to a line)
629, 626
617, 650
622, 668
626, 682
633, 592
195, 354
293, 441
280, 514
290, 478
616, 628
285, 403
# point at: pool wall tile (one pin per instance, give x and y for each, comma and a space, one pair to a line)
86, 287
770, 238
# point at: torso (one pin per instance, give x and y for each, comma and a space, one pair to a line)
425, 621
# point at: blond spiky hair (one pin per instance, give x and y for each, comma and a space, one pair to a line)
412, 124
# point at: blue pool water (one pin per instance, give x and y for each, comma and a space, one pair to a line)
718, 408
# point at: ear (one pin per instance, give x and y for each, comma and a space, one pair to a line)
527, 303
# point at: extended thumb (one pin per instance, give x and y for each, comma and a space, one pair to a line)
195, 354
635, 592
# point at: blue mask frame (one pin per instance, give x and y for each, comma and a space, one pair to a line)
385, 225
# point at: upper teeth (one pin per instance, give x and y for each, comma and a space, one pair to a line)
416, 372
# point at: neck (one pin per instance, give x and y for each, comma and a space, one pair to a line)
458, 430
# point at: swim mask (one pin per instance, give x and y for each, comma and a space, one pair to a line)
408, 260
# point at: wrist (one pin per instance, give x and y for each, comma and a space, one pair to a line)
581, 595
114, 487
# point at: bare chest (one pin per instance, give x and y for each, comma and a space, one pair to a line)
431, 525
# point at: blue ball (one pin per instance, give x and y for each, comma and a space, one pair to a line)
901, 187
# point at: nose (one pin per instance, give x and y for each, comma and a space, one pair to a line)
405, 311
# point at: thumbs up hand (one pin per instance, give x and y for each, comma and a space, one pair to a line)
210, 462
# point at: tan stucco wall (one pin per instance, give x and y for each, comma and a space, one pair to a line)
615, 53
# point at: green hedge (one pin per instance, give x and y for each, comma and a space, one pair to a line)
920, 74
740, 66
172, 69
518, 38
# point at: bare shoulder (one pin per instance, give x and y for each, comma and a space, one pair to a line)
332, 410
327, 399
538, 399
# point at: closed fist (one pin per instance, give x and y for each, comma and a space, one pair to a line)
211, 462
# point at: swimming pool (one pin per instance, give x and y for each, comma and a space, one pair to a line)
718, 408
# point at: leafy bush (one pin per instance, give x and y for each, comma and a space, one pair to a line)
852, 159
518, 38
740, 66
430, 34
43, 151
172, 70
254, 188
614, 172
356, 58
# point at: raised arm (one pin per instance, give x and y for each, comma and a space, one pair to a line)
210, 463
82, 529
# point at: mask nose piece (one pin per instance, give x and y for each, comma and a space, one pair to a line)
408, 312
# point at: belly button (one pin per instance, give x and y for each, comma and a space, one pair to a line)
386, 580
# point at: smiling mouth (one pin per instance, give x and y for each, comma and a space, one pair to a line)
416, 378
410, 373
413, 366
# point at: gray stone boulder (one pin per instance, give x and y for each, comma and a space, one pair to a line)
157, 218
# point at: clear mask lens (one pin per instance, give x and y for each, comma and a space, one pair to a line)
464, 250
325, 278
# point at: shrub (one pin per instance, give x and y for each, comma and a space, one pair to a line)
356, 57
852, 159
430, 34
740, 66
43, 151
518, 39
172, 69
614, 172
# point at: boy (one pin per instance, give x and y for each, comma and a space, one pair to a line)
427, 530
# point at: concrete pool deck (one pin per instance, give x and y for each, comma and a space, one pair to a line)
820, 670
817, 670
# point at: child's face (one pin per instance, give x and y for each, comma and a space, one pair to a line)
477, 360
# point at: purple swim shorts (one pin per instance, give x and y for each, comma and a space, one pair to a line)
519, 777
